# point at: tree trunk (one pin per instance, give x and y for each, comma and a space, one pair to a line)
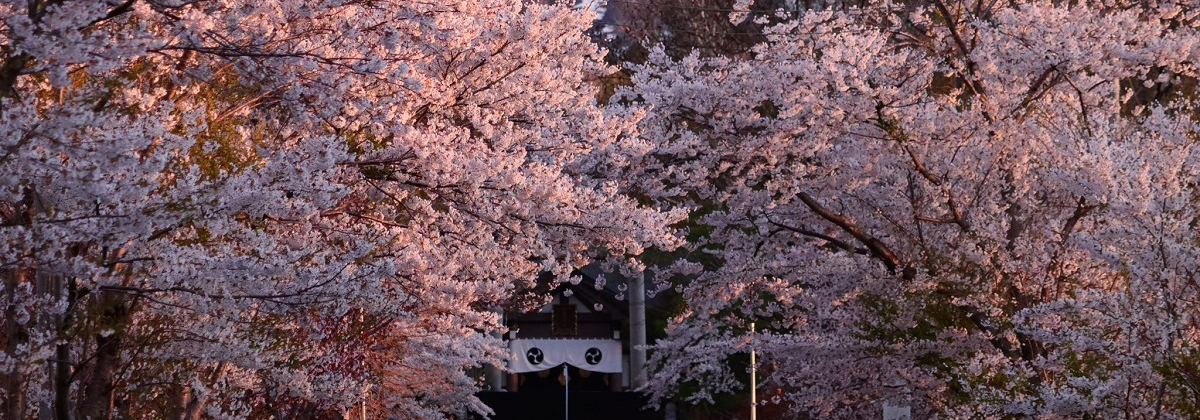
62, 356
99, 387
13, 335
62, 382
196, 402
9, 71
98, 390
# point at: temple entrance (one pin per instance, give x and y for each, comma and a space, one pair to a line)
552, 380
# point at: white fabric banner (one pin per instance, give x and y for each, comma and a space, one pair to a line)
594, 354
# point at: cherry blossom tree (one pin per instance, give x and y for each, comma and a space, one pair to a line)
950, 205
282, 208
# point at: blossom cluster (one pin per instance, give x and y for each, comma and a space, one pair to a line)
967, 208
284, 208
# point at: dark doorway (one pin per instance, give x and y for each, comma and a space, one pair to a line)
552, 380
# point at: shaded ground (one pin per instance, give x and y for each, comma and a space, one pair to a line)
585, 405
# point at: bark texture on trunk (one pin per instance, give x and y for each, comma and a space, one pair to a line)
97, 403
62, 355
11, 337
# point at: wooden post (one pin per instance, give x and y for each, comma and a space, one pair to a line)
514, 382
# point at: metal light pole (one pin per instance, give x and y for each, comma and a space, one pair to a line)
566, 392
753, 378
637, 331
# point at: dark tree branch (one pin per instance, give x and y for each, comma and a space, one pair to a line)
876, 247
838, 243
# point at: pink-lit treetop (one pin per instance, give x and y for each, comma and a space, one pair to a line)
954, 205
237, 209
